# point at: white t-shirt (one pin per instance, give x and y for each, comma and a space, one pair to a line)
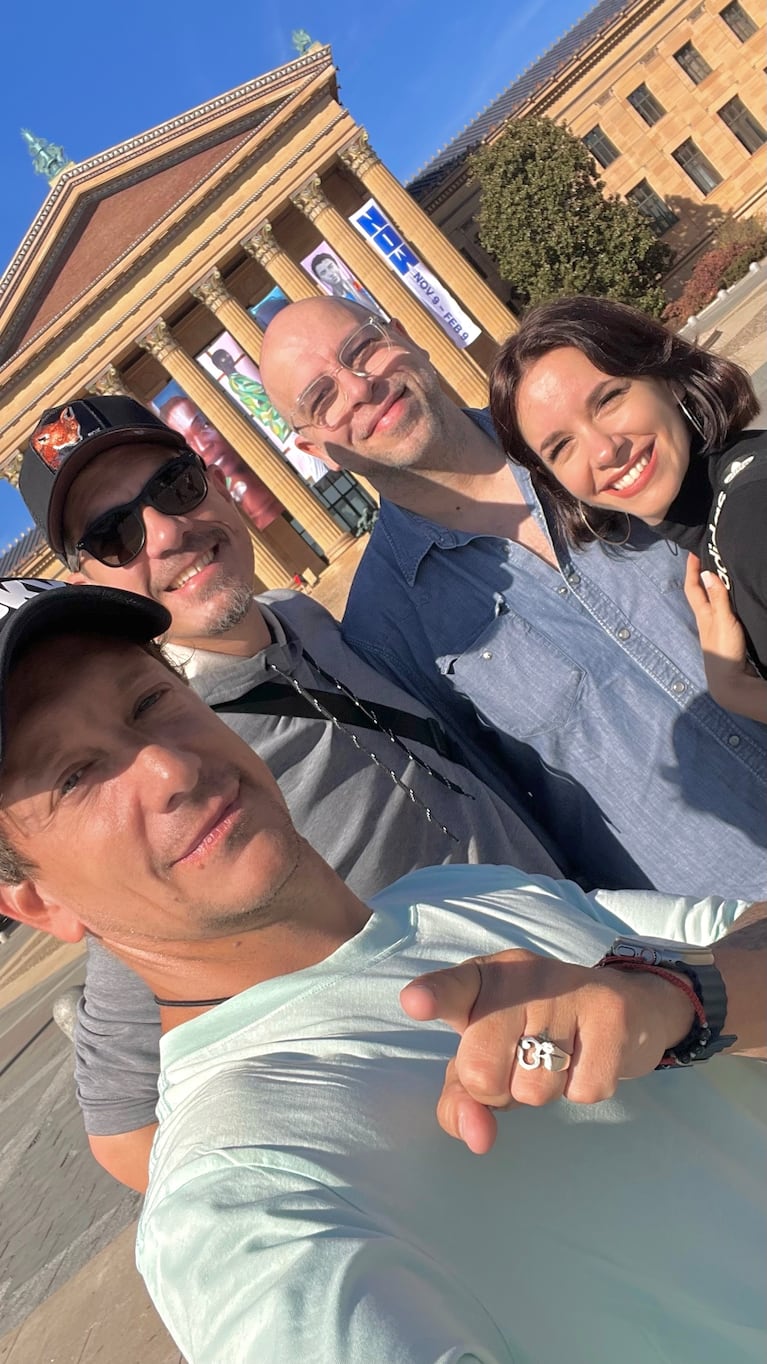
305, 1206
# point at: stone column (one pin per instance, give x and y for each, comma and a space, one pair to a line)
263, 246
110, 383
418, 228
13, 469
213, 293
247, 441
459, 369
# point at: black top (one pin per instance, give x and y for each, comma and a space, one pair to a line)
720, 514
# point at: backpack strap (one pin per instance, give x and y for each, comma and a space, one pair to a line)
277, 698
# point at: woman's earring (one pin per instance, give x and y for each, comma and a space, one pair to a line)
693, 420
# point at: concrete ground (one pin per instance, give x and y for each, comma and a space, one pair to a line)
68, 1291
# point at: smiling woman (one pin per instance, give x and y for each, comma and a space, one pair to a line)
616, 417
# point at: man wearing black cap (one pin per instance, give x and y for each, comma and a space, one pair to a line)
370, 780
303, 1203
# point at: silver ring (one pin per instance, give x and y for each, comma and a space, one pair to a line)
534, 1052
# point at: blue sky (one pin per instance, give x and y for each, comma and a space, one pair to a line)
92, 73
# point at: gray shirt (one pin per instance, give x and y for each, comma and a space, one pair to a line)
370, 827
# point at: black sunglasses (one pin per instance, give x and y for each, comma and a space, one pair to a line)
117, 537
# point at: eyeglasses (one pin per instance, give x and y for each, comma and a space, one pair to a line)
117, 537
364, 354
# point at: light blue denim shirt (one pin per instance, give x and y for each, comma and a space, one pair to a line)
580, 691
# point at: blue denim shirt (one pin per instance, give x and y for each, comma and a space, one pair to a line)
580, 692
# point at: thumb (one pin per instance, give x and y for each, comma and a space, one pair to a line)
449, 995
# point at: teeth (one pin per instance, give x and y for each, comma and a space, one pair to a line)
632, 475
196, 567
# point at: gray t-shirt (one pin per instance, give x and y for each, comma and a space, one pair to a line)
369, 828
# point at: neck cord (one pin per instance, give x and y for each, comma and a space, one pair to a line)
189, 1003
393, 738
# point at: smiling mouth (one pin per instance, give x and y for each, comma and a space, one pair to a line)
632, 475
191, 572
213, 832
382, 411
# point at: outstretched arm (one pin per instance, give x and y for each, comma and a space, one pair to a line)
612, 1024
730, 680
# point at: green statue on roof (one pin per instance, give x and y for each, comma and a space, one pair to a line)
47, 159
301, 41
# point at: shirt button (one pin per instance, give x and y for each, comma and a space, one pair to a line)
487, 653
734, 741
678, 687
563, 591
574, 579
623, 633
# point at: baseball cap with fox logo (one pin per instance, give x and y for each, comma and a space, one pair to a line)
65, 441
32, 609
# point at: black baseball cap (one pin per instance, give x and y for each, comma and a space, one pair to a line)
32, 609
65, 441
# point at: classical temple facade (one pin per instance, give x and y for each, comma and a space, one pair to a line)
153, 268
669, 97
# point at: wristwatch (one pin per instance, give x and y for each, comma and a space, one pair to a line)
696, 964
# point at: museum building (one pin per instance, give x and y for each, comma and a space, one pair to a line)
669, 97
153, 268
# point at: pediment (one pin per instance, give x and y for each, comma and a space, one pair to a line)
100, 209
104, 226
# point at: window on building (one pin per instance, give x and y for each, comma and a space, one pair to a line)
602, 149
650, 204
743, 124
736, 18
691, 62
697, 166
646, 105
345, 500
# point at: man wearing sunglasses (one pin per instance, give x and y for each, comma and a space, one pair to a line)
125, 503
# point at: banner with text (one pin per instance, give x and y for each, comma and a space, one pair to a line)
372, 223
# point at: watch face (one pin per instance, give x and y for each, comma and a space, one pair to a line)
654, 951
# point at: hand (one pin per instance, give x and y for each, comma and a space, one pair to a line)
614, 1024
730, 679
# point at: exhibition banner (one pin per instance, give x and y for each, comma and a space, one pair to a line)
246, 488
324, 267
263, 311
240, 377
372, 223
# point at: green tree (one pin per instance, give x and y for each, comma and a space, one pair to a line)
552, 230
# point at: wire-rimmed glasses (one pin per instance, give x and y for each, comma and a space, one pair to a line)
323, 402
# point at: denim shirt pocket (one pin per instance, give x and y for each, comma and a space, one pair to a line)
519, 681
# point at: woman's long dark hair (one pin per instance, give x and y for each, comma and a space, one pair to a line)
627, 344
